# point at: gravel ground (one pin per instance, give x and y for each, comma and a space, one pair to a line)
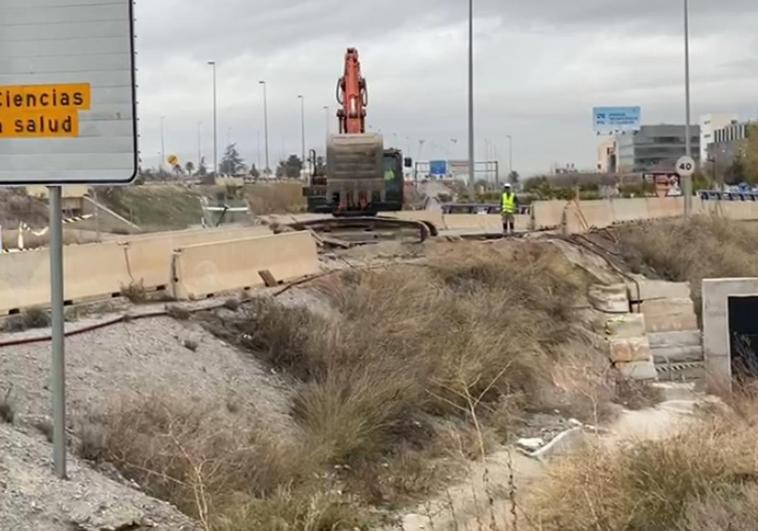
32, 499
146, 356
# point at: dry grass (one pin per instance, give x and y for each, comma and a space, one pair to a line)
7, 409
219, 471
135, 292
702, 247
415, 367
702, 479
28, 319
276, 198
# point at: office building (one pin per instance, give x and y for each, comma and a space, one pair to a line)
655, 147
709, 124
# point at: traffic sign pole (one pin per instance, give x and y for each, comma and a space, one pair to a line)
58, 386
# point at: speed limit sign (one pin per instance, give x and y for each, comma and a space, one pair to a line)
686, 167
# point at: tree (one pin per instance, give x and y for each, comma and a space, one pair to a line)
293, 167
254, 173
190, 168
232, 162
202, 171
750, 155
290, 168
513, 178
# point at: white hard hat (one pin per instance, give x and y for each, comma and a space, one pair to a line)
507, 185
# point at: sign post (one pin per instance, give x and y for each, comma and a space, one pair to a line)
67, 115
58, 386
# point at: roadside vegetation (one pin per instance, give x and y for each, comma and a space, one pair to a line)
412, 370
276, 198
691, 250
703, 479
155, 207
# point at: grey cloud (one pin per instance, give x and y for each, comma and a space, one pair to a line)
541, 65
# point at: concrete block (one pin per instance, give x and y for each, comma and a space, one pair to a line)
718, 374
657, 289
627, 325
638, 370
670, 323
609, 299
665, 307
687, 338
631, 349
678, 354
716, 334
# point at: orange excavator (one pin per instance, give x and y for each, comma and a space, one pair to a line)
360, 177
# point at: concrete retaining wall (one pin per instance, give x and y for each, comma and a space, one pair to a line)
203, 270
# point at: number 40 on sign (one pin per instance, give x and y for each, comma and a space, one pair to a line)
686, 167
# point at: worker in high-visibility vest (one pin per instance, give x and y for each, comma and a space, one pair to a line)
509, 209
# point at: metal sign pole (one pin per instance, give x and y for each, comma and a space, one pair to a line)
56, 299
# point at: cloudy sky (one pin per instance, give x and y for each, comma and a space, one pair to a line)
541, 65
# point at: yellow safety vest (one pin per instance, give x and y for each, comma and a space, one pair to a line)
509, 203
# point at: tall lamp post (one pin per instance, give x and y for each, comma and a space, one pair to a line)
471, 147
265, 125
687, 188
215, 120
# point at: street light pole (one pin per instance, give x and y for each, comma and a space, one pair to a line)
471, 147
265, 125
215, 120
328, 128
302, 125
163, 140
687, 188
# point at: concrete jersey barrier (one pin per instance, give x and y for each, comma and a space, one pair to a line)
149, 258
487, 223
90, 271
200, 271
548, 214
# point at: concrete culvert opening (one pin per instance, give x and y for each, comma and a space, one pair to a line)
743, 337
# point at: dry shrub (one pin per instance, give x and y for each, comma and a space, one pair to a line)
211, 467
28, 319
303, 510
408, 342
691, 250
135, 292
685, 482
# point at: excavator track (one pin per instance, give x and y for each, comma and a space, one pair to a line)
352, 231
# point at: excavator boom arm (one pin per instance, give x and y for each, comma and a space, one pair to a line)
352, 94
